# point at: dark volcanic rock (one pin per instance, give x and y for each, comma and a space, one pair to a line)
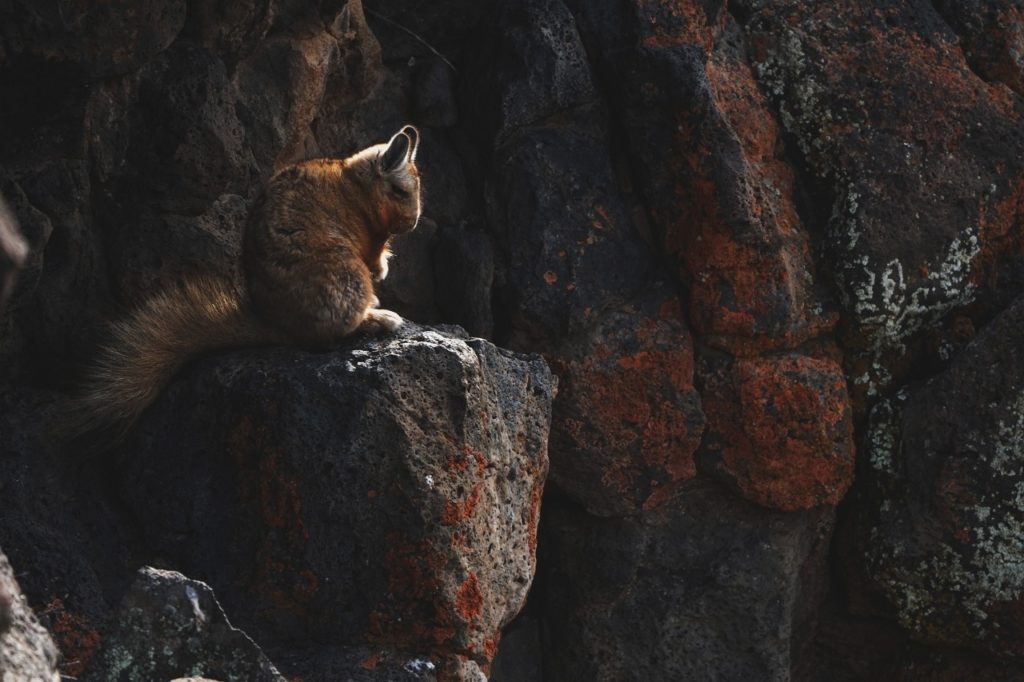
941, 525
708, 157
370, 664
188, 144
627, 419
567, 237
992, 37
26, 650
100, 38
779, 428
160, 250
281, 86
409, 286
53, 308
169, 626
704, 587
620, 185
230, 28
536, 67
924, 218
389, 490
567, 240
58, 527
464, 275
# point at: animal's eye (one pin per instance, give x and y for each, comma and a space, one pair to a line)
399, 192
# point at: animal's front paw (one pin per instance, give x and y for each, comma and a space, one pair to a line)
382, 267
377, 321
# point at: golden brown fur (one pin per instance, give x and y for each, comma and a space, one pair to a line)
315, 240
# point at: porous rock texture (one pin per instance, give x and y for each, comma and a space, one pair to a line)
26, 650
764, 246
168, 626
386, 492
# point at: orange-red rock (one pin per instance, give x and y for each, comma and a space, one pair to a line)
779, 429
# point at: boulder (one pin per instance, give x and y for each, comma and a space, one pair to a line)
387, 491
780, 428
168, 627
939, 521
26, 650
706, 586
708, 157
627, 419
922, 220
100, 39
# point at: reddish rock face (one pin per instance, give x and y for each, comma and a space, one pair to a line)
918, 221
779, 429
627, 417
676, 202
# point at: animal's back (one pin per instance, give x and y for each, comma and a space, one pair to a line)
315, 238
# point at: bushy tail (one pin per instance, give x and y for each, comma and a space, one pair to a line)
146, 350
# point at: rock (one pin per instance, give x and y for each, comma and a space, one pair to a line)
163, 249
569, 252
230, 29
991, 36
531, 65
464, 275
281, 85
446, 198
58, 526
169, 626
435, 104
409, 286
188, 145
862, 119
362, 99
854, 648
13, 252
54, 305
373, 664
704, 587
627, 419
26, 650
939, 520
520, 654
387, 491
780, 428
710, 162
409, 33
100, 39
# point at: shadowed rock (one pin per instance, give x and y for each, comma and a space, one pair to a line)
169, 626
387, 491
704, 587
26, 650
940, 522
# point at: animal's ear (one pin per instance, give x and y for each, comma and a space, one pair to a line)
414, 139
397, 153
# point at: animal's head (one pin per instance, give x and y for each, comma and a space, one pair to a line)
389, 175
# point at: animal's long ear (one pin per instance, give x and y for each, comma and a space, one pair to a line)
397, 153
414, 137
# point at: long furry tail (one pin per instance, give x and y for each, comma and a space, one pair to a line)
148, 348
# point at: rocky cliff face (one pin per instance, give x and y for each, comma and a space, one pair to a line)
765, 248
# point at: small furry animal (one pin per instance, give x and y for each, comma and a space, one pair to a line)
315, 240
